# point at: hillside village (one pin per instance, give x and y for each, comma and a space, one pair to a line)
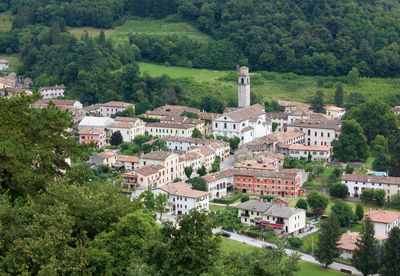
208, 161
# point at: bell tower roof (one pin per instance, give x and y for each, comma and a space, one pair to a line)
243, 71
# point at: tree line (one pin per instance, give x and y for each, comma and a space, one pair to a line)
324, 38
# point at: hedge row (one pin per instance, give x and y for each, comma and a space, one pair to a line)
227, 201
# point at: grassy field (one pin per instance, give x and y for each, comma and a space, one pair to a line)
301, 88
158, 27
5, 21
13, 60
180, 72
306, 269
78, 32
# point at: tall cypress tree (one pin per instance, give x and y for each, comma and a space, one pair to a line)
391, 254
339, 95
328, 241
365, 257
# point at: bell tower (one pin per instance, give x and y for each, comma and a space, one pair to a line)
244, 87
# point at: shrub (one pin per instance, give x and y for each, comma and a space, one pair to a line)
295, 242
302, 204
339, 190
227, 201
244, 198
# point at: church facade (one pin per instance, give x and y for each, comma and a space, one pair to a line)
247, 122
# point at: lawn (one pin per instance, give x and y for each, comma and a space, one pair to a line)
158, 27
368, 162
306, 269
309, 269
78, 32
13, 60
181, 72
5, 21
216, 208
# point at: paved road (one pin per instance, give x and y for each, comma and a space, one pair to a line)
304, 257
228, 163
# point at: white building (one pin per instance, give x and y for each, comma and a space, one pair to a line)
145, 177
128, 127
191, 159
219, 182
317, 152
357, 182
281, 218
107, 158
90, 121
52, 91
221, 148
335, 111
129, 162
169, 160
318, 132
182, 198
246, 123
384, 221
3, 64
110, 108
169, 129
61, 103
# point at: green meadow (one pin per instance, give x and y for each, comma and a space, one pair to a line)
5, 21
157, 27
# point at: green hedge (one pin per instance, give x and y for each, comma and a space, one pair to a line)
227, 201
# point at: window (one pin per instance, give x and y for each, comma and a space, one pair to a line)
315, 134
234, 126
216, 125
224, 125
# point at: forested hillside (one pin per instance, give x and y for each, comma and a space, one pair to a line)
326, 37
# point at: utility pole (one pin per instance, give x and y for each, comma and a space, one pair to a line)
312, 245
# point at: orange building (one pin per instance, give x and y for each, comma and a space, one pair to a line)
264, 182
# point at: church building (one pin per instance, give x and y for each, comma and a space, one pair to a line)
247, 122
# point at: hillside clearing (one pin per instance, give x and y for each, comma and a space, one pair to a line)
181, 72
5, 21
158, 27
78, 32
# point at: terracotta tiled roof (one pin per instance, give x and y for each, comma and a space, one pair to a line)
371, 178
218, 175
322, 124
121, 124
246, 113
55, 101
270, 155
91, 130
188, 156
117, 104
94, 107
183, 189
288, 135
277, 116
127, 158
126, 119
266, 173
157, 155
245, 129
198, 141
3, 61
348, 241
148, 170
167, 110
208, 116
206, 151
106, 154
181, 119
334, 108
312, 148
286, 103
383, 216
52, 88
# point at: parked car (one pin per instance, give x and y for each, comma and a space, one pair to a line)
226, 234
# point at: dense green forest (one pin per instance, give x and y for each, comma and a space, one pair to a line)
302, 36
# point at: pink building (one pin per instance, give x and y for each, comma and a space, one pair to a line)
93, 134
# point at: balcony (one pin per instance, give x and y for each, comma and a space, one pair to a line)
245, 215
